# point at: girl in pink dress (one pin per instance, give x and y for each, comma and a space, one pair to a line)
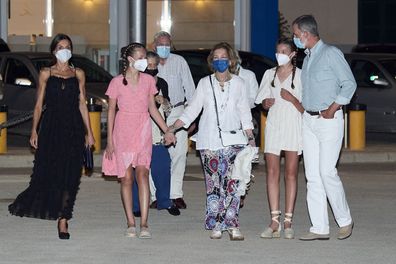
129, 140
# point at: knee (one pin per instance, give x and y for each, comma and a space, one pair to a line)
290, 176
272, 173
126, 181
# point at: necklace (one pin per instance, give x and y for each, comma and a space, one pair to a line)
224, 97
223, 81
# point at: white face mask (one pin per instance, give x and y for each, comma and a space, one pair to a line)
282, 58
63, 55
139, 65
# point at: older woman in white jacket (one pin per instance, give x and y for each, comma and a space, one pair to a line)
224, 100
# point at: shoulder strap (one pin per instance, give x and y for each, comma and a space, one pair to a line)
214, 96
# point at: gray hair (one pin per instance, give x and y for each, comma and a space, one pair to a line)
162, 34
307, 23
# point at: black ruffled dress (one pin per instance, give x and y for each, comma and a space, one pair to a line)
58, 160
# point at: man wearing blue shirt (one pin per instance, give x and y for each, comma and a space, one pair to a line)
328, 84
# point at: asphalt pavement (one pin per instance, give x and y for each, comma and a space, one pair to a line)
99, 223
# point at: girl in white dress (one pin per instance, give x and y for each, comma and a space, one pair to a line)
280, 94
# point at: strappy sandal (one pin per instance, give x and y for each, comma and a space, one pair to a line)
289, 232
144, 232
269, 232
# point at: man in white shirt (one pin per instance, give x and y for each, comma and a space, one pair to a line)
174, 69
250, 80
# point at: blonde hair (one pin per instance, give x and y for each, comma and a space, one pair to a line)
232, 56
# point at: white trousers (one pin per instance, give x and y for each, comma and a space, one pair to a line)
178, 155
322, 140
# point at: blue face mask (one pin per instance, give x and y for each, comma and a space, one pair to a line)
299, 43
163, 51
220, 65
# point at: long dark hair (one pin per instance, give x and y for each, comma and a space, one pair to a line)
125, 52
288, 42
54, 43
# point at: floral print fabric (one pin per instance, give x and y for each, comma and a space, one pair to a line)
222, 203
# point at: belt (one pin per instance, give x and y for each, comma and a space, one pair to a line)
313, 113
178, 104
316, 113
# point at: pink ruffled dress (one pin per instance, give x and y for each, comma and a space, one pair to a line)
132, 126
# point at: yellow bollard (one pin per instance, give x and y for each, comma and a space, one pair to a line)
94, 116
357, 126
263, 120
3, 132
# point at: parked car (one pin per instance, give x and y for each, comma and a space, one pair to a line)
19, 78
197, 61
3, 46
375, 48
375, 76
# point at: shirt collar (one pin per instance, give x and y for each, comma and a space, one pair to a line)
314, 49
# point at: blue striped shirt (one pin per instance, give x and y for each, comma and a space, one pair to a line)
326, 78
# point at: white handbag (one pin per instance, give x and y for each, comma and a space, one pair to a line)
231, 137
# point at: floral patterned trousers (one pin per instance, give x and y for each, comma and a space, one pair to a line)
222, 202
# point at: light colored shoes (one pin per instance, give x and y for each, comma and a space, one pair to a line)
144, 233
235, 234
313, 236
216, 234
345, 232
288, 232
130, 232
269, 232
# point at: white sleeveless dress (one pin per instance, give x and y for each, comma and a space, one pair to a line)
283, 126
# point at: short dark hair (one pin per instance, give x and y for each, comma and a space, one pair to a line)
307, 23
152, 54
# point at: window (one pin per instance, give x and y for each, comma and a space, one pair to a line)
390, 66
366, 73
377, 21
16, 73
93, 72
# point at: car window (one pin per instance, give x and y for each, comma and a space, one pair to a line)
390, 66
365, 73
16, 73
41, 63
93, 72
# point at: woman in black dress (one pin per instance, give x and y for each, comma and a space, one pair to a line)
64, 130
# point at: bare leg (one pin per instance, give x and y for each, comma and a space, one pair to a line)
126, 196
142, 176
291, 172
273, 175
62, 224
